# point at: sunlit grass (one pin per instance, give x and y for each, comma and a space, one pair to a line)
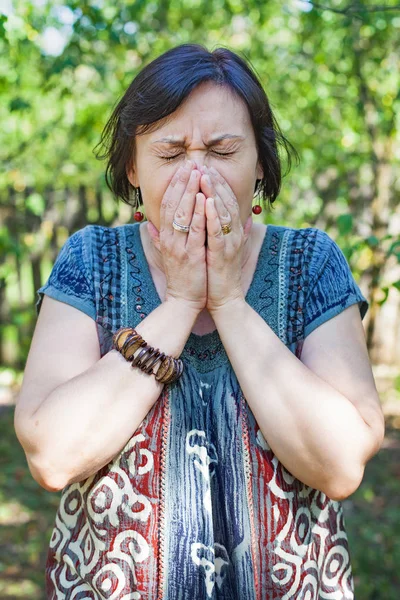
24, 588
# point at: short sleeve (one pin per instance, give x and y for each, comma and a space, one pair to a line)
332, 287
71, 279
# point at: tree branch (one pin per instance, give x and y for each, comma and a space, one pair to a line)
353, 9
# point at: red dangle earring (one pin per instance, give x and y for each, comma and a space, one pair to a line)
138, 216
257, 209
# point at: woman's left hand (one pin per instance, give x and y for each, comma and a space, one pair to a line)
224, 252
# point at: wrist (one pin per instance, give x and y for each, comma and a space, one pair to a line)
227, 307
183, 307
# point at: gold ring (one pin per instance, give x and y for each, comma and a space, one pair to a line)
226, 228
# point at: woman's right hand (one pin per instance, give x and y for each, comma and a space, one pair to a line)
184, 254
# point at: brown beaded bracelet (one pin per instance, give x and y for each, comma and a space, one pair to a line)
127, 340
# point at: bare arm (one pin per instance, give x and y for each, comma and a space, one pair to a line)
322, 419
86, 421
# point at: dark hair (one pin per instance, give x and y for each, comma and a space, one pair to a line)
159, 89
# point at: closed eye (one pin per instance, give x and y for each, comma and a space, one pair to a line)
176, 155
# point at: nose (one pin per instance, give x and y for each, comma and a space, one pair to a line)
198, 157
198, 163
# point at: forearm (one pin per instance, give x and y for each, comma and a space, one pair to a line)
315, 431
84, 423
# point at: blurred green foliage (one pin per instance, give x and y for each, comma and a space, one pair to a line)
332, 78
27, 514
314, 65
333, 81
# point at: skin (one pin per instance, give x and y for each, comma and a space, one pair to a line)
320, 415
208, 112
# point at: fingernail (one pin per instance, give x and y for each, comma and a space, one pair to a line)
188, 164
208, 179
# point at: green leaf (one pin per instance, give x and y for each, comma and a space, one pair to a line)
345, 223
372, 241
36, 204
385, 290
19, 104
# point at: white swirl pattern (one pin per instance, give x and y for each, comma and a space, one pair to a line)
95, 509
310, 544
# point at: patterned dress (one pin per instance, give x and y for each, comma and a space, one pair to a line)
197, 506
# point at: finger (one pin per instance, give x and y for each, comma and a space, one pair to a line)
154, 234
211, 191
166, 197
173, 195
184, 212
230, 202
247, 227
218, 178
215, 239
197, 234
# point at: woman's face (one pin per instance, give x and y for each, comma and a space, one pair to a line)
208, 112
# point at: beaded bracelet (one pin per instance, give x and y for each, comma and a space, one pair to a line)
127, 340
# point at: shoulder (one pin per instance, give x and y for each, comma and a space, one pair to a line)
311, 241
102, 242
306, 234
94, 233
307, 252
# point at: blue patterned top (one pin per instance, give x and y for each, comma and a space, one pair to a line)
197, 505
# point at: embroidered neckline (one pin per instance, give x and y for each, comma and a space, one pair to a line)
206, 347
276, 292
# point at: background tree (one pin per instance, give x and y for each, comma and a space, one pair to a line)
331, 73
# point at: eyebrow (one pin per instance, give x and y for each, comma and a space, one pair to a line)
174, 142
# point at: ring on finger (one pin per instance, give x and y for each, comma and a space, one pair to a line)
179, 227
226, 228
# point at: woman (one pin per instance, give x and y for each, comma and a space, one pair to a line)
226, 482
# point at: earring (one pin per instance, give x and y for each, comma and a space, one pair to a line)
257, 209
138, 216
